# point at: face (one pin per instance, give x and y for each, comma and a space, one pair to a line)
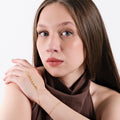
59, 45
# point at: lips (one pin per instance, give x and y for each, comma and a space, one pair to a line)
54, 61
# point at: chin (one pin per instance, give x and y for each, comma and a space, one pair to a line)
54, 73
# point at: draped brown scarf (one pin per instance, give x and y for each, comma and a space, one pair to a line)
77, 97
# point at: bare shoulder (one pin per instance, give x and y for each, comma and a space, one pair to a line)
110, 107
15, 104
107, 103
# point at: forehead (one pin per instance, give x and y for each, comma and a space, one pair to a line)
55, 14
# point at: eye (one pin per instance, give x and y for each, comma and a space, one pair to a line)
43, 34
66, 33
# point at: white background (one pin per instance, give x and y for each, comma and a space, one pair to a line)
16, 23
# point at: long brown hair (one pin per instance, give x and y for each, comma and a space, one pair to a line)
100, 64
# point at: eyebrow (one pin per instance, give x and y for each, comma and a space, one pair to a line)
61, 24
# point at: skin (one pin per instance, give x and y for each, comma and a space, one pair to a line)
59, 38
19, 86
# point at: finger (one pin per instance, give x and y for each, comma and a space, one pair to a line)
19, 80
22, 62
11, 79
16, 67
17, 73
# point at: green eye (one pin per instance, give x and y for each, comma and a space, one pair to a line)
66, 33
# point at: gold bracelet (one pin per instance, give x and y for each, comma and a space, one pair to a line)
54, 108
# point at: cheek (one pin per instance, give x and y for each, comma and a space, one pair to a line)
76, 46
76, 50
39, 46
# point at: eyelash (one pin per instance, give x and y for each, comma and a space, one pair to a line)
40, 33
45, 33
69, 33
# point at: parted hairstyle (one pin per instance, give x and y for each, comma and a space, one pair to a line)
100, 64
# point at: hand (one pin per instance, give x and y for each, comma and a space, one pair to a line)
27, 77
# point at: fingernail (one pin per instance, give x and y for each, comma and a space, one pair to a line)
4, 79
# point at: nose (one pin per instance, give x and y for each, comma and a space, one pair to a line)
54, 44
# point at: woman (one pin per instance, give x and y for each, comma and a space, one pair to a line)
75, 76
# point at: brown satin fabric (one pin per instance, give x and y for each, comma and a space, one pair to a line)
77, 97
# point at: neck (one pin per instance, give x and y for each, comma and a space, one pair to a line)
72, 77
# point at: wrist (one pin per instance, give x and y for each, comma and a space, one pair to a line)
42, 95
48, 101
